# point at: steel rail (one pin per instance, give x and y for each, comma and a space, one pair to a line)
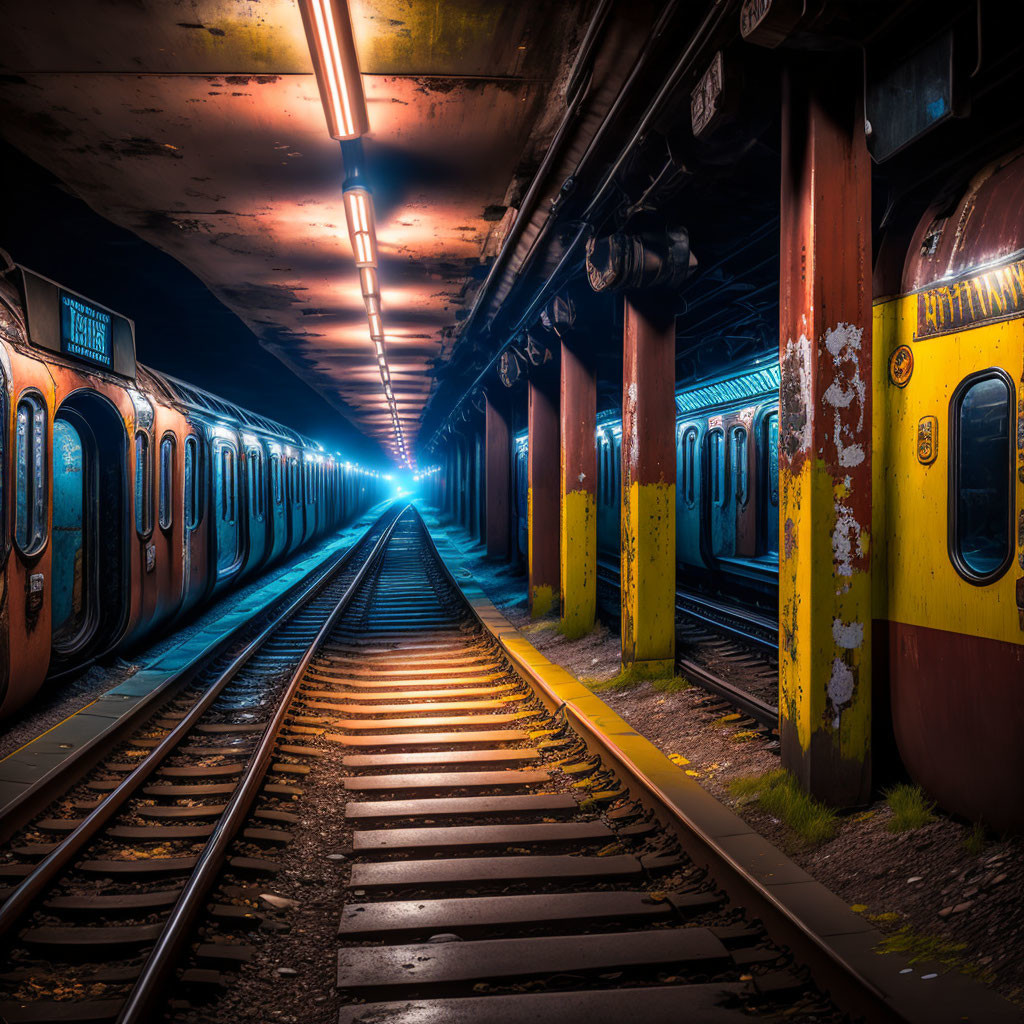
140, 1006
45, 790
48, 871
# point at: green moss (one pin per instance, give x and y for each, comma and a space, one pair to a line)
974, 841
779, 794
920, 948
910, 808
634, 675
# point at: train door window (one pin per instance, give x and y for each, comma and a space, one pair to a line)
225, 484
771, 435
716, 466
30, 476
143, 485
256, 483
738, 439
688, 476
275, 478
770, 457
166, 513
68, 566
193, 491
980, 480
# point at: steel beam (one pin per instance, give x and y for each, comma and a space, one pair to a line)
542, 503
498, 472
578, 495
825, 435
648, 532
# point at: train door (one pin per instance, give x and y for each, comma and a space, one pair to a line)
198, 578
277, 510
945, 447
255, 512
688, 495
88, 593
226, 512
720, 517
769, 503
741, 472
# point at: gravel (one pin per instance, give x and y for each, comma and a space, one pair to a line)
920, 887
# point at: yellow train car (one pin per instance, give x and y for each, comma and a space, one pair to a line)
948, 515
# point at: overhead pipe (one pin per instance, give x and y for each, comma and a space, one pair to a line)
707, 26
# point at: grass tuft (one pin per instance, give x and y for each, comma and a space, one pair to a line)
627, 678
671, 684
975, 840
910, 808
778, 793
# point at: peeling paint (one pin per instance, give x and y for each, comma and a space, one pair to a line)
847, 634
795, 399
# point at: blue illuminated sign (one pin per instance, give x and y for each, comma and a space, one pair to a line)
85, 331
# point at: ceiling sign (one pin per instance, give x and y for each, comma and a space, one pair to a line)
705, 99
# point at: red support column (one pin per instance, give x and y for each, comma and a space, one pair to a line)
498, 473
543, 469
578, 413
825, 434
648, 530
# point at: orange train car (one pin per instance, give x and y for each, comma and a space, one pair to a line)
129, 498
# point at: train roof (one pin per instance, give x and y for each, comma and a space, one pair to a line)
207, 404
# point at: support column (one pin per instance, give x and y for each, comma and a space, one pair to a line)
543, 469
498, 473
825, 435
578, 415
648, 532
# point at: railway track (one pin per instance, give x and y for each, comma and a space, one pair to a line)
110, 866
729, 651
497, 866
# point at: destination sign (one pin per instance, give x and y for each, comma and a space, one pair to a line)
85, 331
995, 295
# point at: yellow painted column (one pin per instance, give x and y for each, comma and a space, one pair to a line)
578, 495
543, 496
825, 609
648, 531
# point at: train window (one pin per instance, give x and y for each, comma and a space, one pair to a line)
257, 486
143, 485
738, 437
275, 478
771, 434
228, 490
192, 484
688, 477
30, 476
716, 466
166, 482
980, 480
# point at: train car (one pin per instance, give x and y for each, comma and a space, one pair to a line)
129, 498
948, 493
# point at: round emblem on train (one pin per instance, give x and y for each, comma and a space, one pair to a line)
901, 366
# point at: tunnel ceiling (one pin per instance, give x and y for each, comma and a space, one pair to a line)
198, 126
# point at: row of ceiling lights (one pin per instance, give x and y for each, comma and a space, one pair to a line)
328, 28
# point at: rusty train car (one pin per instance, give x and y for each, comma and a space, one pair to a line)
130, 498
948, 494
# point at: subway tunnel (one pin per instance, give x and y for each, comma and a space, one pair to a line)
511, 511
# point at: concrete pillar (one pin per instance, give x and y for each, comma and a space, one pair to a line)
498, 472
578, 414
543, 468
648, 532
825, 434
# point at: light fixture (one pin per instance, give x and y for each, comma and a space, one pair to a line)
328, 26
361, 228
